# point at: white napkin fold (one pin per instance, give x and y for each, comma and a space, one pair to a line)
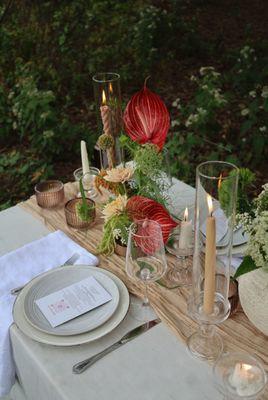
18, 268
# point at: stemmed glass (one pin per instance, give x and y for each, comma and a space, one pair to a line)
145, 260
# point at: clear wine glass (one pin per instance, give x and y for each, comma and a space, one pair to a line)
145, 260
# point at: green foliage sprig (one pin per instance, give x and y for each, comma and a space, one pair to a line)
84, 210
149, 166
116, 223
246, 179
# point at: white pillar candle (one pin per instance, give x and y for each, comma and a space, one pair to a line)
84, 157
185, 232
210, 260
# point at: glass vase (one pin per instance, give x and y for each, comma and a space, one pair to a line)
109, 117
215, 204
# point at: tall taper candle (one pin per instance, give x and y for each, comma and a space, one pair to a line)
210, 260
84, 157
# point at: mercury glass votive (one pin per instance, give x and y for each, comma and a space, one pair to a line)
49, 194
239, 376
72, 217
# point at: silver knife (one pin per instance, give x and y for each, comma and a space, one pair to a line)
85, 364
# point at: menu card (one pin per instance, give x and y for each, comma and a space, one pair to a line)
72, 301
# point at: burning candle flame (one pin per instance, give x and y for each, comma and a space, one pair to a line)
111, 88
245, 367
186, 214
210, 204
103, 97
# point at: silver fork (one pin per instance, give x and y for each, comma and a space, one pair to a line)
70, 261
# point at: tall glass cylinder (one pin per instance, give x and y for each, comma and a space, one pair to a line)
109, 117
216, 192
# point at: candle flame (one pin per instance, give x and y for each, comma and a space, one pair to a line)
210, 204
246, 367
186, 214
111, 88
219, 183
103, 97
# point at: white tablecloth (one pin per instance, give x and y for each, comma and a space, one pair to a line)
155, 365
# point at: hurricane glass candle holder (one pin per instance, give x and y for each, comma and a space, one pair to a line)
49, 194
109, 117
216, 190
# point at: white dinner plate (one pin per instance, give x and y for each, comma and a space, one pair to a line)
57, 279
73, 340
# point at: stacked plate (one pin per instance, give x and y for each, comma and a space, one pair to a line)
83, 329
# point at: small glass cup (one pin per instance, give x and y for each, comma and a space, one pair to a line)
72, 217
49, 194
88, 180
239, 376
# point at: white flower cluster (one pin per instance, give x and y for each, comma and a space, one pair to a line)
209, 71
194, 118
246, 51
258, 242
257, 228
117, 234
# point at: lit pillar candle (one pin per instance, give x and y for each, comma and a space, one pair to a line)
186, 231
210, 260
84, 157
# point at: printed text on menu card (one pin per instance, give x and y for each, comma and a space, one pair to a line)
72, 301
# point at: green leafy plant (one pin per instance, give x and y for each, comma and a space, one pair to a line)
246, 179
84, 210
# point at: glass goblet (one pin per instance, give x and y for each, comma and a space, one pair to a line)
88, 181
145, 260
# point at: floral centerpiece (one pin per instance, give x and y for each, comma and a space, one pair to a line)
139, 187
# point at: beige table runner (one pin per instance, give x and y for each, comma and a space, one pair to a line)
170, 304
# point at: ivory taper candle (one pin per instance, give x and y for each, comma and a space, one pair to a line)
185, 232
84, 157
210, 260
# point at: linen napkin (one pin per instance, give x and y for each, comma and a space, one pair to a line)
19, 267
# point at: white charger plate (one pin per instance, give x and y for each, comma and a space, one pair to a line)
73, 340
57, 279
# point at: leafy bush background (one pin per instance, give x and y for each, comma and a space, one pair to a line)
49, 51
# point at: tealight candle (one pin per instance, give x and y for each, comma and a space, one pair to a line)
185, 232
210, 260
246, 379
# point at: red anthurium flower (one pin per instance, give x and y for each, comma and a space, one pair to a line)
140, 207
146, 118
